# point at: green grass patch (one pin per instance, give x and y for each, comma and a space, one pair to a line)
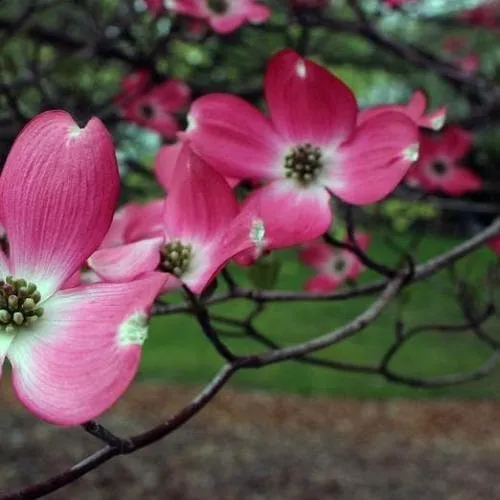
177, 351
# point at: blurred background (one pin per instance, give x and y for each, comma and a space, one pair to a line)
290, 430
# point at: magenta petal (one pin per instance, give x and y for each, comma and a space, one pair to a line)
290, 215
145, 221
455, 142
126, 262
494, 244
460, 181
316, 254
227, 23
85, 351
374, 161
257, 13
200, 204
234, 137
306, 102
165, 161
59, 188
323, 283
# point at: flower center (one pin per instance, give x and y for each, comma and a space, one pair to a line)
218, 6
175, 258
303, 164
339, 265
18, 303
439, 168
147, 111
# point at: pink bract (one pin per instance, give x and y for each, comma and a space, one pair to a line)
439, 167
333, 265
415, 109
73, 348
202, 230
308, 149
223, 16
154, 107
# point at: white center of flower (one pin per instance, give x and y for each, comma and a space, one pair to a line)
134, 330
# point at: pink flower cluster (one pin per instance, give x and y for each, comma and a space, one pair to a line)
74, 338
223, 16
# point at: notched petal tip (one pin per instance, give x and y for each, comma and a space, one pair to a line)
134, 330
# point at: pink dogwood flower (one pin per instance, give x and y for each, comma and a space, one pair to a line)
415, 109
439, 169
153, 107
223, 16
333, 265
202, 231
73, 351
308, 149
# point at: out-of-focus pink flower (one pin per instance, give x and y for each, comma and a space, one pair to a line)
202, 231
486, 15
333, 265
415, 109
153, 107
73, 348
223, 16
459, 52
494, 244
164, 166
439, 169
309, 148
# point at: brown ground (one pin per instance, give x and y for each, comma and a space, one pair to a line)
260, 446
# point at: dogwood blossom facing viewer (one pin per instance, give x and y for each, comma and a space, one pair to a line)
202, 231
333, 265
73, 351
153, 107
439, 167
309, 148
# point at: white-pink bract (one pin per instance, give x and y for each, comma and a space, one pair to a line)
308, 149
202, 229
333, 266
73, 351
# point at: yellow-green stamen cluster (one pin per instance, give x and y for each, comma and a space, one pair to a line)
218, 6
303, 164
18, 303
175, 258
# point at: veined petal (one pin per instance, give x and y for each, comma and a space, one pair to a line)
291, 215
145, 221
58, 192
81, 356
164, 164
306, 102
126, 262
375, 159
200, 204
234, 137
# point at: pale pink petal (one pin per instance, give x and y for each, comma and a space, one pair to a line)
257, 13
84, 352
234, 137
226, 23
200, 204
316, 254
323, 283
126, 262
58, 192
374, 161
290, 215
306, 102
